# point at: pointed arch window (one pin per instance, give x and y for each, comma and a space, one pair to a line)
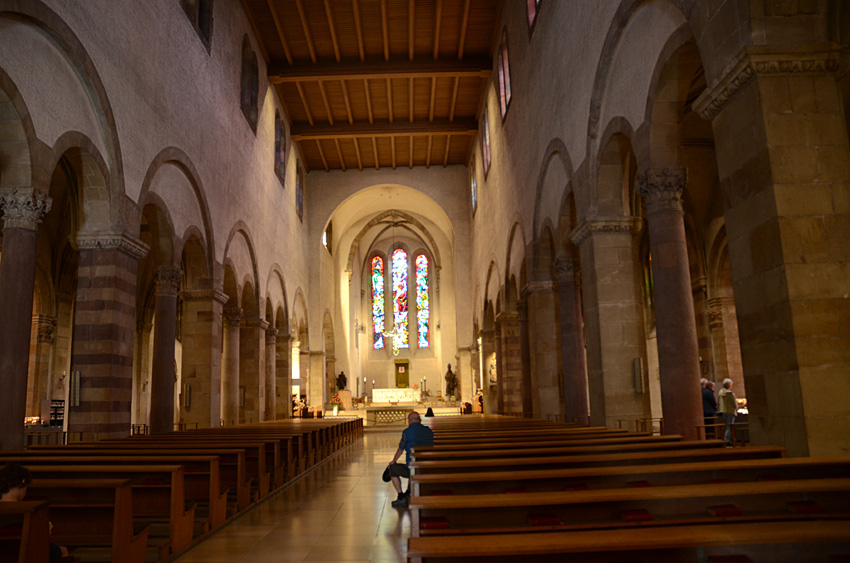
299, 193
485, 142
533, 10
473, 186
377, 303
423, 302
279, 147
504, 76
250, 84
200, 13
400, 313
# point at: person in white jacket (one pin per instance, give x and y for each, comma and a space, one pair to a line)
727, 407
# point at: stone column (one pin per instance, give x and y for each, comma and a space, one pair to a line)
23, 210
678, 348
283, 376
230, 366
202, 353
316, 377
511, 363
500, 368
38, 383
104, 324
489, 346
525, 360
613, 316
252, 366
718, 339
572, 343
270, 403
464, 374
545, 356
167, 280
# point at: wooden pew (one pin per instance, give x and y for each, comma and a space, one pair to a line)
93, 512
24, 534
202, 473
158, 494
680, 543
555, 442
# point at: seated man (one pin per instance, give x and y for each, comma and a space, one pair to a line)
414, 435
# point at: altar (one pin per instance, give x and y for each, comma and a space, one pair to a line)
402, 395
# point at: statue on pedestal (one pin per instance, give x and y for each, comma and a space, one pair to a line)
341, 381
451, 382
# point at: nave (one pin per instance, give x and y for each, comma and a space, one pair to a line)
339, 512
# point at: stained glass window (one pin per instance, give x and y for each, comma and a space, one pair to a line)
423, 305
377, 303
485, 142
473, 185
504, 76
400, 296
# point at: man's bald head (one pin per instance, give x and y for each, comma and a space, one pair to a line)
413, 417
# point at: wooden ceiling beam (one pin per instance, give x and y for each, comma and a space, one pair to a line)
339, 152
437, 23
411, 10
347, 98
390, 100
385, 32
419, 128
368, 101
254, 27
359, 157
325, 101
454, 101
304, 103
410, 160
329, 15
433, 99
377, 68
279, 27
428, 152
355, 7
446, 156
322, 154
392, 142
463, 25
306, 27
410, 98
375, 154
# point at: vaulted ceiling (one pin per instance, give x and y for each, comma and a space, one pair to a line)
378, 82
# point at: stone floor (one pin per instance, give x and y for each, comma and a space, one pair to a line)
339, 512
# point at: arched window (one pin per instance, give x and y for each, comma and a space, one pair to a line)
200, 13
504, 76
473, 186
400, 318
299, 193
250, 84
485, 142
279, 147
423, 303
377, 303
533, 10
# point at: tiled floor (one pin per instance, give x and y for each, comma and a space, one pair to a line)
339, 512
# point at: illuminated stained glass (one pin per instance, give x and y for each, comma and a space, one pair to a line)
377, 303
400, 296
423, 305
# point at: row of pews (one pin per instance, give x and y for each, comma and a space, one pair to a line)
149, 498
500, 489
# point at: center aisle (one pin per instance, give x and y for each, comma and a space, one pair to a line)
339, 512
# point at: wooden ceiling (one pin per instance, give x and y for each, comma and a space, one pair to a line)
378, 82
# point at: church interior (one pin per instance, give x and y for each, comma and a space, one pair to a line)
316, 216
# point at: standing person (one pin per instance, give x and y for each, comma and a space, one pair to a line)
709, 408
728, 407
414, 435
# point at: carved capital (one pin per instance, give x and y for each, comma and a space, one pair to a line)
565, 269
167, 280
232, 316
262, 324
662, 190
507, 317
204, 295
537, 287
131, 246
591, 226
271, 336
23, 208
46, 327
756, 61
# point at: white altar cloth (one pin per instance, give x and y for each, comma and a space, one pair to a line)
395, 395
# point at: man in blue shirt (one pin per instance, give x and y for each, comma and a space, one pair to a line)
414, 435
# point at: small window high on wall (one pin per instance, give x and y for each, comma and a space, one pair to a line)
249, 84
279, 147
299, 193
200, 14
473, 186
485, 141
504, 76
533, 10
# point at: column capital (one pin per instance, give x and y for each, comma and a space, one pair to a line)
662, 189
257, 322
46, 326
537, 287
204, 295
590, 226
507, 316
167, 280
763, 60
714, 312
565, 269
271, 336
23, 208
127, 244
232, 316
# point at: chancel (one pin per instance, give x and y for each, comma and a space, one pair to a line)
243, 240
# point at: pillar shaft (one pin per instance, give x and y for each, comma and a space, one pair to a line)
22, 212
525, 360
38, 386
167, 281
202, 354
230, 366
511, 376
283, 376
270, 403
678, 346
500, 369
572, 343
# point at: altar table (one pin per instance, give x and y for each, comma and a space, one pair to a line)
404, 395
